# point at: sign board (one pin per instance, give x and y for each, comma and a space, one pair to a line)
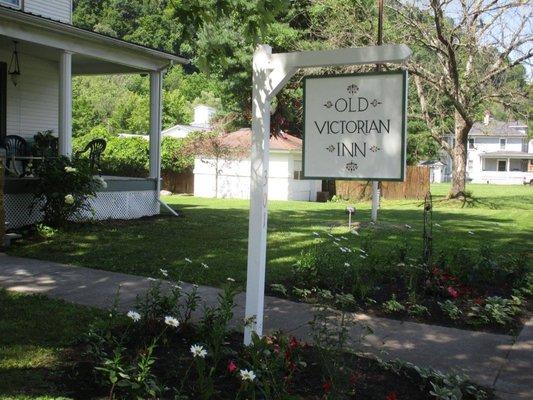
354, 126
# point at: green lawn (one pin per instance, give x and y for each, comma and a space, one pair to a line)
34, 334
214, 231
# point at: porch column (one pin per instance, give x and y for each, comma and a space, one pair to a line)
65, 103
156, 79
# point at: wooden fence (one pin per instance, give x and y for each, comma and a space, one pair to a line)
415, 186
182, 182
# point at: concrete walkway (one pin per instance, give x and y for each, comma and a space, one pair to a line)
489, 359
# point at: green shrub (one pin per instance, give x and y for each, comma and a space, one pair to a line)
130, 156
63, 189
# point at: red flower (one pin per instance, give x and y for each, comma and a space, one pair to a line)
452, 292
232, 367
391, 396
293, 343
276, 349
326, 386
478, 301
292, 366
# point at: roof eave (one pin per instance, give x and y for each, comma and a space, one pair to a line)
61, 27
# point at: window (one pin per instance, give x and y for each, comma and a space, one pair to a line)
471, 144
502, 165
503, 142
297, 173
13, 3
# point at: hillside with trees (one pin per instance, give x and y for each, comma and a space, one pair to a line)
459, 68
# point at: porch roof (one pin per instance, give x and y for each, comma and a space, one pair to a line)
93, 53
508, 154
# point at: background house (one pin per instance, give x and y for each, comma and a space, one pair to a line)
233, 179
201, 122
498, 153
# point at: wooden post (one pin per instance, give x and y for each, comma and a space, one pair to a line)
65, 103
270, 73
375, 184
156, 78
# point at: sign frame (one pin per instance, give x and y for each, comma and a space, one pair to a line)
405, 82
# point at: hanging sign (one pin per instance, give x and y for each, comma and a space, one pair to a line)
354, 126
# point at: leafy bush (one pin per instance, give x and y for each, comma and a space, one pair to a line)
63, 189
129, 156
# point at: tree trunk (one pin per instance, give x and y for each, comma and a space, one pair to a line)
459, 155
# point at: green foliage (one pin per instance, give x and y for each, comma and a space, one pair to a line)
129, 156
392, 306
450, 309
63, 189
496, 310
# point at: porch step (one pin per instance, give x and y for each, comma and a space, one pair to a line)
11, 237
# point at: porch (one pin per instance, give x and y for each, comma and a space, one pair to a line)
506, 167
123, 198
37, 96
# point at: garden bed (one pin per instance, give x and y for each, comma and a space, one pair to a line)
158, 353
475, 289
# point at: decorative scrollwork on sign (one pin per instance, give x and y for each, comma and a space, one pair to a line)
328, 104
351, 166
352, 89
375, 103
330, 148
374, 148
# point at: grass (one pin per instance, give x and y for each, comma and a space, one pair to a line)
214, 231
35, 333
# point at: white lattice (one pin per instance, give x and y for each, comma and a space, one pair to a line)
19, 212
106, 205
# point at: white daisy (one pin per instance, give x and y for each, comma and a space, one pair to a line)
188, 260
437, 225
134, 315
205, 266
316, 234
230, 279
362, 256
470, 232
347, 264
408, 226
354, 232
171, 321
164, 272
198, 351
247, 375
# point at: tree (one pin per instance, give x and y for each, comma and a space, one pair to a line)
214, 150
466, 55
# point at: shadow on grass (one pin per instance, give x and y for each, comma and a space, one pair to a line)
34, 331
217, 234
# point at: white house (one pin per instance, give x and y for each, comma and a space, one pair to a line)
233, 179
498, 153
40, 52
201, 123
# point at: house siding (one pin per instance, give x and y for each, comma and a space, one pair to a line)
32, 105
60, 10
234, 179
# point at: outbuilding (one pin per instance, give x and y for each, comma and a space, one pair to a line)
229, 177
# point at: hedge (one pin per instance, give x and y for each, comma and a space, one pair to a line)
129, 156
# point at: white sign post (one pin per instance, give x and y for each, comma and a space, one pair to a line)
270, 73
354, 126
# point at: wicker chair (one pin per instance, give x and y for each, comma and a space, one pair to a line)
95, 148
16, 146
